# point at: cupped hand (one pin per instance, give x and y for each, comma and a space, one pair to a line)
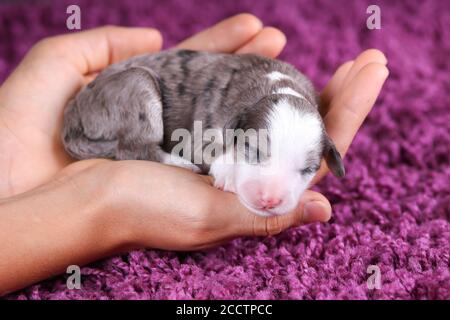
31, 107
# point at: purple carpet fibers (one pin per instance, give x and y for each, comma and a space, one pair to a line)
392, 208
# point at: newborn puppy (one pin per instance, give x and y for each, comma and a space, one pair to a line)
220, 103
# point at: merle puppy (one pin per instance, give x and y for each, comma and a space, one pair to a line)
133, 109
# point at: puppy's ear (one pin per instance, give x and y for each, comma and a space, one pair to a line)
333, 158
231, 124
236, 122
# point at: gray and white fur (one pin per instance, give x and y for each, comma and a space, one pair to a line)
132, 108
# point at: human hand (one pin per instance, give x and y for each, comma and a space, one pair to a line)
141, 204
31, 120
98, 207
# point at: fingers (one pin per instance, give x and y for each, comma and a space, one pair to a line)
92, 50
60, 63
226, 36
366, 57
345, 74
269, 42
348, 98
334, 86
349, 109
313, 207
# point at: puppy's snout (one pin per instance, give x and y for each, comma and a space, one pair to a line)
270, 202
263, 195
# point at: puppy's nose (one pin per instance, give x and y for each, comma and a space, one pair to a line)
270, 202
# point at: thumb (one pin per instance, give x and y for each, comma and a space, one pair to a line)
312, 207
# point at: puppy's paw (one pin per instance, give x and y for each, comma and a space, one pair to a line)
223, 177
227, 185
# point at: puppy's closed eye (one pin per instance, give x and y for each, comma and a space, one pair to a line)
309, 170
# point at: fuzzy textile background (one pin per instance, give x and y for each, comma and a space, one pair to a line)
391, 210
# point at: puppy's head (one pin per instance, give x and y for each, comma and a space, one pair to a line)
278, 147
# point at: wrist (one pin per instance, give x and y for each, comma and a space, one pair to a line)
56, 225
111, 210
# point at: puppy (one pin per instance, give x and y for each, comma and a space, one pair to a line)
140, 108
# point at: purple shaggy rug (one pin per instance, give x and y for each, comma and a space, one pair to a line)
392, 209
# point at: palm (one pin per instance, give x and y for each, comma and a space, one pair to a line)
33, 155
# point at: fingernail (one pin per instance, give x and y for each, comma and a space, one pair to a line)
314, 211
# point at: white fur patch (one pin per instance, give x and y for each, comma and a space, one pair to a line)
289, 91
293, 132
223, 173
275, 76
